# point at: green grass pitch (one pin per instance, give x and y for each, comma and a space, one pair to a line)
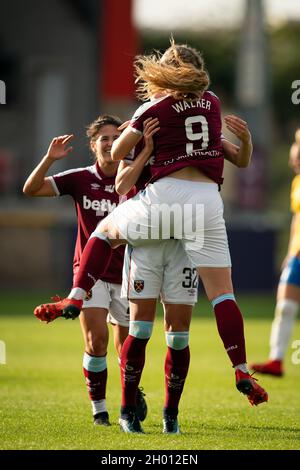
44, 403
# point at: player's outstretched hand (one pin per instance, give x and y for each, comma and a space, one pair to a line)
58, 147
151, 126
238, 127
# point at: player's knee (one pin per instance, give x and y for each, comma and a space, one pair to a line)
141, 329
178, 317
96, 345
178, 324
177, 339
120, 334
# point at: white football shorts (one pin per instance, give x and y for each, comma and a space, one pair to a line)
107, 295
190, 211
161, 270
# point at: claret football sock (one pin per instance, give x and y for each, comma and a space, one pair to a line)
176, 369
132, 364
95, 372
94, 262
231, 327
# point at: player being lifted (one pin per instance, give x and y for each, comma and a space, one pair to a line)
187, 170
93, 191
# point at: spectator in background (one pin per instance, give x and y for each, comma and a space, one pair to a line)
288, 292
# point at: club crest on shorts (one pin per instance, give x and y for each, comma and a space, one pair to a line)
138, 285
89, 295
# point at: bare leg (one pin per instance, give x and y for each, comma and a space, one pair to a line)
120, 334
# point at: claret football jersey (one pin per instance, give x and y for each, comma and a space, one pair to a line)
95, 197
189, 135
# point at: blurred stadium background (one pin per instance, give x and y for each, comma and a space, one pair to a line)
66, 61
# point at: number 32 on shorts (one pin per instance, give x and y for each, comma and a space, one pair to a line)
191, 278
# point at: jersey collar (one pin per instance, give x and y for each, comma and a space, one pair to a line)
99, 173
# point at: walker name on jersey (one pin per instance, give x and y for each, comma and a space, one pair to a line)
105, 205
183, 105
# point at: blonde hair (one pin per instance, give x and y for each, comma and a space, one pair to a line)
179, 72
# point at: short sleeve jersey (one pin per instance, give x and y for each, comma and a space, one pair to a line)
295, 195
95, 197
294, 247
189, 135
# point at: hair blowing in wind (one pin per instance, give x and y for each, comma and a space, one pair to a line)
179, 72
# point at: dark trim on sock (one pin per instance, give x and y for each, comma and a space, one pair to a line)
170, 412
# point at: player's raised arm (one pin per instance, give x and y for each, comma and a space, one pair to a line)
239, 156
124, 144
37, 184
129, 173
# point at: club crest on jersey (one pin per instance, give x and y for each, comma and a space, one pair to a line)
110, 188
138, 285
89, 295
